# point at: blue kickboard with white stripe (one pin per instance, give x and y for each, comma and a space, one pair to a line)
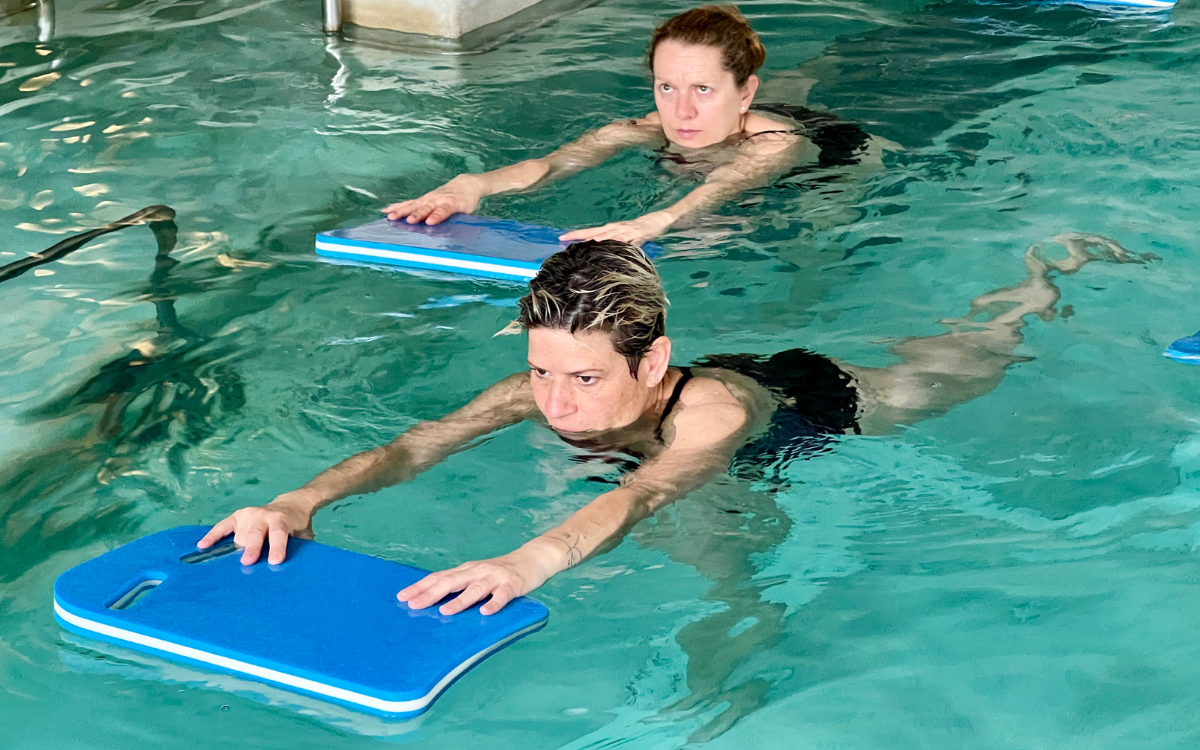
462, 244
1186, 349
1116, 5
325, 622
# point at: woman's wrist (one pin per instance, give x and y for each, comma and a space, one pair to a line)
663, 218
478, 184
550, 555
305, 501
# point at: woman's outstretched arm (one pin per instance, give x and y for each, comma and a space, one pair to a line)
707, 432
463, 193
421, 447
759, 160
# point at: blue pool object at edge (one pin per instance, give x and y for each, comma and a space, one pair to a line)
1186, 349
325, 622
465, 244
1117, 4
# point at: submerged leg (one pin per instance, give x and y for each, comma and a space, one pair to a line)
720, 532
937, 373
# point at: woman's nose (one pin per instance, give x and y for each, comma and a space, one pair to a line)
559, 402
685, 108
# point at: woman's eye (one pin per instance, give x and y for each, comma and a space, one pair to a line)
540, 373
587, 379
703, 89
665, 88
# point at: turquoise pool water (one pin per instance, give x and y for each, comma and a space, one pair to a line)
1019, 573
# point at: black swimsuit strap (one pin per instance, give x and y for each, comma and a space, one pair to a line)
675, 394
783, 132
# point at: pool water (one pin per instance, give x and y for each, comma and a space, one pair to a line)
1019, 573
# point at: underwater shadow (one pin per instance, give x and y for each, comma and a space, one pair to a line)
168, 390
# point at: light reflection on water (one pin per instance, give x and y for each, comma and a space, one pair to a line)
1015, 573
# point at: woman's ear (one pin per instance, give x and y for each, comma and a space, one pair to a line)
749, 89
654, 364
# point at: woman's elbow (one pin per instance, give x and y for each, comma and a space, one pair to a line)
646, 499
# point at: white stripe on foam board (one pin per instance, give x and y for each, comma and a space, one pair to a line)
282, 678
1131, 3
431, 260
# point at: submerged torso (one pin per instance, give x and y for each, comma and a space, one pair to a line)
822, 141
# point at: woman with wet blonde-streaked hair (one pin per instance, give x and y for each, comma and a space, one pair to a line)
599, 376
705, 124
615, 290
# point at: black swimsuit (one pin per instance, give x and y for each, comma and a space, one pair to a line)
818, 402
674, 399
840, 143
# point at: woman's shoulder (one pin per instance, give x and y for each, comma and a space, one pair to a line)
714, 385
653, 120
636, 130
758, 123
729, 397
514, 391
766, 135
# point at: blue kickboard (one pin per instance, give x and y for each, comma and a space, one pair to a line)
1185, 350
463, 244
1117, 4
325, 622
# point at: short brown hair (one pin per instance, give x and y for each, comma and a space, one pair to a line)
721, 26
599, 285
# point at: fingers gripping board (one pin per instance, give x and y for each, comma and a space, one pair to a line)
463, 244
325, 622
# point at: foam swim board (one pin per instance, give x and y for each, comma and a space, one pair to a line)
1186, 349
465, 244
325, 622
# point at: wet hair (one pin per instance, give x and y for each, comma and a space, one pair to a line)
598, 285
721, 26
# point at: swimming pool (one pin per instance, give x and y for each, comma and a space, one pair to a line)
1018, 573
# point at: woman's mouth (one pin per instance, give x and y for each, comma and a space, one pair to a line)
687, 135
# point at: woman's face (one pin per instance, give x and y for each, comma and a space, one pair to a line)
698, 100
582, 385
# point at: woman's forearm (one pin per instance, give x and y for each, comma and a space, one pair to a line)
519, 176
593, 529
362, 473
707, 197
588, 151
748, 171
422, 446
